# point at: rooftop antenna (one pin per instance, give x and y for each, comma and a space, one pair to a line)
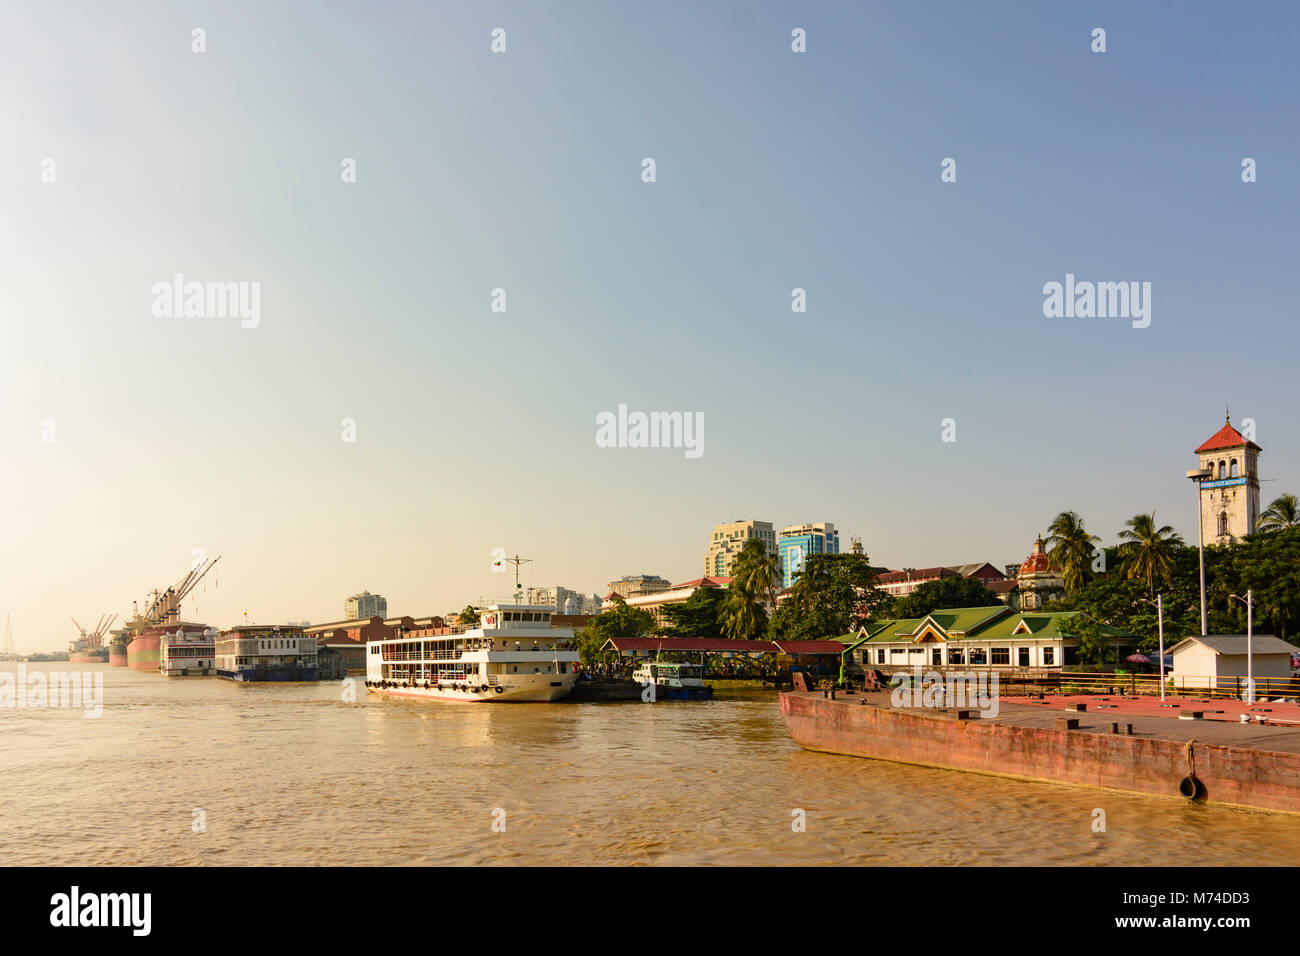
516, 561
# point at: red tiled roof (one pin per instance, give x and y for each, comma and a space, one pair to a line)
722, 644
613, 596
703, 583
916, 574
1225, 437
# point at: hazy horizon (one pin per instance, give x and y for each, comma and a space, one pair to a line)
522, 171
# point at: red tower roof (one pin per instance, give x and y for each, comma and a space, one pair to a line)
1226, 437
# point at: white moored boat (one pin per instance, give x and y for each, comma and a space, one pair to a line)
513, 655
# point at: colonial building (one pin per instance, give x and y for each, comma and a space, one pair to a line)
1036, 582
993, 637
902, 583
655, 601
1230, 495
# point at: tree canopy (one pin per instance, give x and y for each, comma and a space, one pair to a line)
617, 621
832, 595
1266, 564
944, 593
698, 616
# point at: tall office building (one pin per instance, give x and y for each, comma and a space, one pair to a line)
800, 540
364, 606
727, 541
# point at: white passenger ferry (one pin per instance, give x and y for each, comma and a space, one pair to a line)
513, 655
183, 653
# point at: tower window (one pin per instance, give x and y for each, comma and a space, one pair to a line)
1233, 470
1223, 522
1221, 469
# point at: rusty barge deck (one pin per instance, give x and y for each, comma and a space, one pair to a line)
1115, 744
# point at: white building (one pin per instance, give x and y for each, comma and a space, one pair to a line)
364, 606
564, 600
1221, 659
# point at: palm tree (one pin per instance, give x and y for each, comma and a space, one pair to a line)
1283, 513
743, 619
1147, 551
755, 572
468, 617
1069, 548
753, 577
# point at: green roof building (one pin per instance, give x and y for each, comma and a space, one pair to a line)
973, 636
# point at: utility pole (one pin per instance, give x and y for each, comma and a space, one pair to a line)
1199, 475
1159, 605
1249, 601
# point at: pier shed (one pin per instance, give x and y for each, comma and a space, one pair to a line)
1222, 657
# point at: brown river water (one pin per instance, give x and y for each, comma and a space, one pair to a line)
293, 774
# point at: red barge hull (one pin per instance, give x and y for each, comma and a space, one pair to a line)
1153, 760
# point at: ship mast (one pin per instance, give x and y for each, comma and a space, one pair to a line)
516, 561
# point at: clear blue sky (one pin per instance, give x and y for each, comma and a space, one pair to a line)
521, 170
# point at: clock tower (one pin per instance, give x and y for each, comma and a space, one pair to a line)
1230, 495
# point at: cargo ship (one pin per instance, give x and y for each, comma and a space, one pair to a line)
89, 647
117, 641
162, 615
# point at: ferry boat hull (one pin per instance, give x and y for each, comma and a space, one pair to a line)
255, 676
555, 687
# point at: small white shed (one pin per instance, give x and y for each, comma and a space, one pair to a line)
1224, 655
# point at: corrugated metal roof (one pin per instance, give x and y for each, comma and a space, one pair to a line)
810, 647
689, 644
1236, 644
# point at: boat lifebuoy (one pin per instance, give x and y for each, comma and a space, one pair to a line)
500, 689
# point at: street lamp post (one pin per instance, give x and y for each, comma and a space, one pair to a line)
1199, 475
1249, 601
1159, 604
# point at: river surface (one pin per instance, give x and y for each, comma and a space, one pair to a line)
199, 771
